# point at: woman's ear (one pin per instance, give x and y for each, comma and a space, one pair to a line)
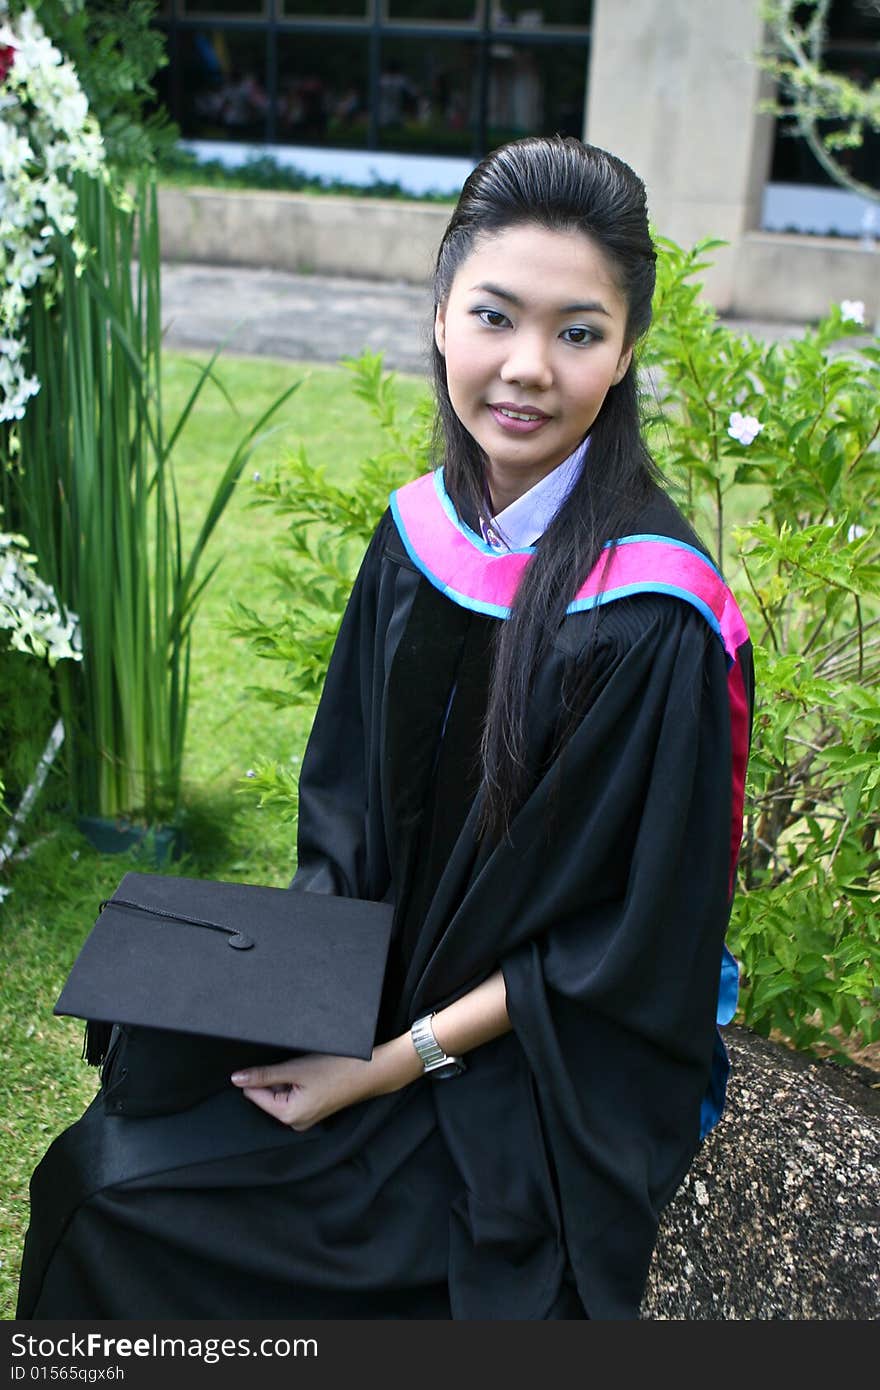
622, 367
440, 328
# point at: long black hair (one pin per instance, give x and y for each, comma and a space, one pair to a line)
560, 184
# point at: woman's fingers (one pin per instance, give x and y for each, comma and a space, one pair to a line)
279, 1074
284, 1103
276, 1090
304, 1090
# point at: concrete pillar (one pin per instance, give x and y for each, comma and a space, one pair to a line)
674, 90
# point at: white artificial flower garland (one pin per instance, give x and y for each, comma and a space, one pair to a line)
46, 135
29, 610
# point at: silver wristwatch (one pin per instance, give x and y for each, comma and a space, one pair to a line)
434, 1059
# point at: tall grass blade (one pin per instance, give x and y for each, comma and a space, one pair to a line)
96, 495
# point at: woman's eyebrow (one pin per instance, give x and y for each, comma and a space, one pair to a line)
500, 293
591, 306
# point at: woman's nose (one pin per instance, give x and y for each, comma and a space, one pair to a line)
528, 361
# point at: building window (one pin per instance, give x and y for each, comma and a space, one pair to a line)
853, 50
223, 9
432, 76
223, 83
434, 12
322, 90
554, 14
321, 10
428, 96
535, 91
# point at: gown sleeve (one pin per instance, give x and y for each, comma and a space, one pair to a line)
611, 900
340, 842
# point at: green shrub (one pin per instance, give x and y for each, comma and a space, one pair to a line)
772, 449
328, 528
27, 713
805, 566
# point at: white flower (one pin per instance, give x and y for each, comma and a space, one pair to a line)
744, 428
855, 533
46, 135
852, 310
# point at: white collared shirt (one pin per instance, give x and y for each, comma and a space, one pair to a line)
526, 519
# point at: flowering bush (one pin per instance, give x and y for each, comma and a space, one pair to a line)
743, 428
46, 136
774, 448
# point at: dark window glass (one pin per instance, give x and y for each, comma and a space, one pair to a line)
434, 11
427, 93
861, 65
535, 91
427, 96
223, 9
853, 50
162, 80
527, 14
794, 161
325, 9
322, 90
854, 19
223, 86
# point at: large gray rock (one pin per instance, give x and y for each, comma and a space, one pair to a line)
779, 1216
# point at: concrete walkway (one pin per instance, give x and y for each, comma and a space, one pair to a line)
314, 318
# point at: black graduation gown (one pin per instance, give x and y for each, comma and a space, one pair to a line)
530, 1186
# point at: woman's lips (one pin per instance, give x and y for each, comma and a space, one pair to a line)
518, 419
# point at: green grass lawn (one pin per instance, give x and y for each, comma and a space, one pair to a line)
45, 1083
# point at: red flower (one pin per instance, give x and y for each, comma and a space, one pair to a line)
7, 58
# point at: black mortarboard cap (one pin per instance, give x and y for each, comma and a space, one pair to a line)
263, 967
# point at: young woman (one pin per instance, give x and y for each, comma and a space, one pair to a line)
532, 740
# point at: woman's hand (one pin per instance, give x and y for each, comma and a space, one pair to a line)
305, 1090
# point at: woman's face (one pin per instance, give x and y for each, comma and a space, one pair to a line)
533, 337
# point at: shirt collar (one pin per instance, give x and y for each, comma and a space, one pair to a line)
526, 519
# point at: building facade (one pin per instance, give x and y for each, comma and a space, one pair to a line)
440, 77
415, 91
435, 77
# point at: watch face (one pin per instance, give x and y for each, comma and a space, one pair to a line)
449, 1069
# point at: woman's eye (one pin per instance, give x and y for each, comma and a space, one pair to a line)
579, 334
492, 317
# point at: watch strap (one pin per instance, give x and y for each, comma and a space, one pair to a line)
429, 1050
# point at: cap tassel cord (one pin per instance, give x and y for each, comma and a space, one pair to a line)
237, 940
